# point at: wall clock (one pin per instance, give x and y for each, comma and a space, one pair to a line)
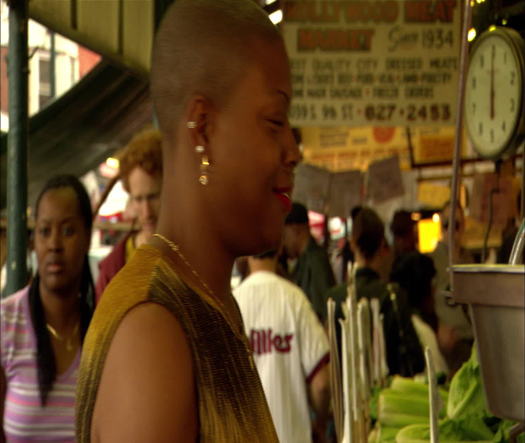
495, 92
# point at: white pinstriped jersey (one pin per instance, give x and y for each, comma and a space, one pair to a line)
289, 346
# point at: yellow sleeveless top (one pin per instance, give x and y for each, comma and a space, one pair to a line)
230, 398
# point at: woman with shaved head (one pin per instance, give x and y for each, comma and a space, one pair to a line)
166, 358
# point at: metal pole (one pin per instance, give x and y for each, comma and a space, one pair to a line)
456, 161
52, 65
17, 148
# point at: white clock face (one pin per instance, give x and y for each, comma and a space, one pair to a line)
493, 102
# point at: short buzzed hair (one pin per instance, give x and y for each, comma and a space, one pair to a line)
200, 48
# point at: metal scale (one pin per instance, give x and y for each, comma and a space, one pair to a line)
491, 98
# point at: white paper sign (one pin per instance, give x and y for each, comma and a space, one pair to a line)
345, 193
384, 180
312, 187
369, 62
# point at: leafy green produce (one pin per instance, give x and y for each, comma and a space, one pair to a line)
374, 397
398, 408
503, 432
387, 435
391, 401
402, 420
468, 429
412, 387
408, 385
466, 396
383, 434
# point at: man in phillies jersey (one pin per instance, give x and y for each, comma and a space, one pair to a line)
290, 349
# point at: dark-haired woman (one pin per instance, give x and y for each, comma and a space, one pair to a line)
43, 325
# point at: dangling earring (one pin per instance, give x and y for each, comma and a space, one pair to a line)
203, 178
191, 125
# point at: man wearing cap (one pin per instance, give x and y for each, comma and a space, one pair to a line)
312, 272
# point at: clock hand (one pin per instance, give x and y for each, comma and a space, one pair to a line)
492, 113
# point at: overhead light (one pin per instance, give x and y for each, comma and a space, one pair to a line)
436, 218
492, 28
504, 21
416, 216
112, 162
276, 17
269, 2
471, 34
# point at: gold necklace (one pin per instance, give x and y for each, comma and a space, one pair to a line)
221, 307
67, 340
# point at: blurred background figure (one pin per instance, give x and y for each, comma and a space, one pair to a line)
141, 175
404, 233
43, 325
290, 350
312, 271
344, 254
413, 271
455, 331
404, 354
414, 274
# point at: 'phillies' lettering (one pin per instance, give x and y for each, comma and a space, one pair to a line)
264, 341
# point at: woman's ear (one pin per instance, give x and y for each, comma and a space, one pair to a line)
200, 117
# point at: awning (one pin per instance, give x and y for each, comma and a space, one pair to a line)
83, 127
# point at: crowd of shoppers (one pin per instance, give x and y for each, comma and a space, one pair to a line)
192, 361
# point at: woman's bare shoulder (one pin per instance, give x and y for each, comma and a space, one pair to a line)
146, 391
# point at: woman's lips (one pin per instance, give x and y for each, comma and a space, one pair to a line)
54, 268
284, 198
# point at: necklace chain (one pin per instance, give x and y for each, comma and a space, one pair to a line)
222, 308
68, 340
176, 248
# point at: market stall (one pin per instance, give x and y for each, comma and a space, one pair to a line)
381, 92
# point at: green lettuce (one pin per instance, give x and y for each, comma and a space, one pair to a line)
467, 429
383, 434
399, 409
466, 396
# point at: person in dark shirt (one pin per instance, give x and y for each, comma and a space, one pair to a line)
411, 269
312, 272
404, 354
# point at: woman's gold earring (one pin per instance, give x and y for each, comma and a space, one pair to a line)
191, 125
203, 178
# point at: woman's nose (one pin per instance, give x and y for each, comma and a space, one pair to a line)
55, 240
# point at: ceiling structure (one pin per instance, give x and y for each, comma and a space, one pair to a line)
83, 127
80, 129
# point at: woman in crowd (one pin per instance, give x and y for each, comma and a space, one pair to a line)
166, 358
43, 325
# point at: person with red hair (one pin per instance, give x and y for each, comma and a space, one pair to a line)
141, 173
